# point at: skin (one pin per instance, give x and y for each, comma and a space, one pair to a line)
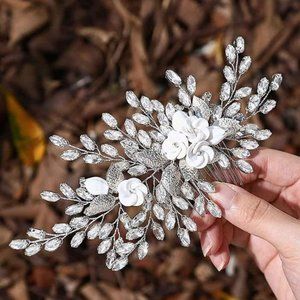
263, 217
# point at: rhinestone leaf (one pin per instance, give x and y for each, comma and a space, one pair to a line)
228, 124
156, 136
206, 186
92, 159
262, 135
109, 150
79, 222
239, 44
170, 179
53, 244
50, 196
132, 99
104, 246
162, 119
134, 234
147, 104
173, 77
184, 97
170, 220
223, 161
129, 145
110, 258
100, 204
249, 144
214, 209
157, 106
245, 65
180, 203
74, 209
232, 109
137, 170
67, 191
244, 166
138, 219
189, 223
58, 141
229, 74
240, 152
18, 244
187, 172
94, 231
276, 82
125, 248
87, 142
150, 158
119, 263
70, 154
77, 239
262, 86
250, 128
199, 206
33, 249
157, 231
143, 250
61, 228
201, 108
110, 120
36, 233
253, 103
187, 191
170, 110
84, 194
144, 138
161, 194
158, 212
105, 231
191, 84
113, 135
267, 106
130, 127
230, 54
114, 176
225, 91
184, 237
141, 119
242, 93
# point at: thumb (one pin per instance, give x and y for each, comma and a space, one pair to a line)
256, 216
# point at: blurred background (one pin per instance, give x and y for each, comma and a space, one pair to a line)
63, 63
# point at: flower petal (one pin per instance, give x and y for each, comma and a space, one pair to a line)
217, 134
96, 186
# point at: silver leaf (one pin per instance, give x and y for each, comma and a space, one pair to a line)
100, 204
201, 108
114, 176
187, 191
170, 179
150, 158
137, 170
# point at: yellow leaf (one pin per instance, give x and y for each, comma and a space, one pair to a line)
28, 136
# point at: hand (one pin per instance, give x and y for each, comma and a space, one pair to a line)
263, 217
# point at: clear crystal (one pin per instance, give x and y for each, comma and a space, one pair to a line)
184, 237
61, 228
147, 104
253, 103
245, 65
36, 233
156, 136
18, 244
180, 203
139, 219
225, 91
244, 166
157, 106
262, 86
170, 110
132, 99
276, 82
77, 239
110, 120
249, 144
58, 141
262, 135
143, 250
104, 246
92, 159
93, 232
67, 191
157, 231
232, 109
109, 150
134, 234
70, 154
223, 161
141, 119
230, 54
119, 263
173, 77
184, 97
105, 231
162, 119
191, 84
170, 220
158, 212
130, 127
110, 258
206, 186
144, 138
267, 106
79, 222
229, 74
125, 248
214, 209
87, 142
189, 223
239, 44
199, 206
53, 244
201, 108
242, 93
187, 190
113, 135
161, 194
137, 170
74, 209
33, 249
50, 196
240, 152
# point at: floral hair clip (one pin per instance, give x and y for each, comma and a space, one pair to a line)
170, 156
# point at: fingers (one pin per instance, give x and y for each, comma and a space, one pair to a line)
256, 216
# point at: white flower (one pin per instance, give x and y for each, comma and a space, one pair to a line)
132, 192
96, 186
199, 155
197, 129
175, 145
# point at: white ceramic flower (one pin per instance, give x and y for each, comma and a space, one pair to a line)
199, 155
132, 192
96, 186
175, 145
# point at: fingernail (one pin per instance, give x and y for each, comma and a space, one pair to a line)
224, 195
221, 266
206, 249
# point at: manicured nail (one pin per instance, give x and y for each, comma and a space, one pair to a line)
224, 195
220, 266
206, 249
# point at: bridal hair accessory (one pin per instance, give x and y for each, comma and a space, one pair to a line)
170, 157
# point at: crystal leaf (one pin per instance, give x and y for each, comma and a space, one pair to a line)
170, 110
161, 194
67, 191
58, 141
189, 224
156, 136
132, 99
230, 54
249, 144
253, 103
187, 172
187, 190
191, 84
158, 212
162, 119
240, 152
239, 44
229, 74
125, 248
92, 159
33, 249
137, 170
70, 154
138, 219
141, 119
157, 106
77, 239
110, 258
109, 150
84, 194
170, 220
225, 91
206, 186
144, 138
217, 112
206, 97
119, 263
223, 161
262, 135
18, 244
199, 205
170, 179
105, 231
230, 125
79, 222
110, 120
113, 135
129, 145
114, 176
214, 209
267, 106
245, 65
61, 228
147, 104
134, 234
201, 108
244, 166
184, 97
184, 237
262, 86
173, 77
104, 246
130, 127
94, 231
50, 196
143, 250
276, 82
157, 231
87, 142
242, 93
53, 244
232, 109
100, 204
74, 209
180, 203
36, 233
